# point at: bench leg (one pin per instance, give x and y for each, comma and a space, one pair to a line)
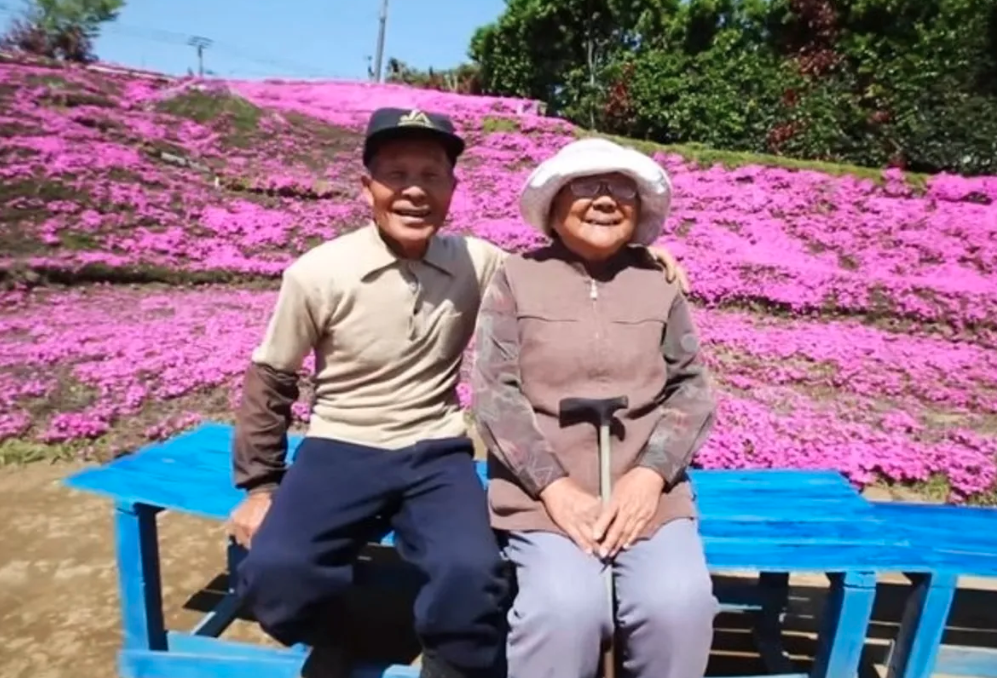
915, 650
139, 582
767, 631
234, 555
844, 625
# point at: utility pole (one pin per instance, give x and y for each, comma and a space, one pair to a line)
379, 54
200, 43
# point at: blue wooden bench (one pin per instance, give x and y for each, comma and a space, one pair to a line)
773, 522
966, 539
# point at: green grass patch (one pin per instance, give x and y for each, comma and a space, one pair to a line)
71, 99
97, 273
15, 452
339, 138
10, 130
240, 118
706, 157
491, 124
78, 241
17, 223
319, 144
50, 80
42, 188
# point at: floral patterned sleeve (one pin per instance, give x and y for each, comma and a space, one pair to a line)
688, 407
503, 416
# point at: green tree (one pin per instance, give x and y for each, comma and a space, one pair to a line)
557, 50
86, 15
911, 83
462, 79
61, 28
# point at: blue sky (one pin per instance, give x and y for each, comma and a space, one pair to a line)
288, 38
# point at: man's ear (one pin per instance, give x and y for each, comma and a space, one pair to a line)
365, 190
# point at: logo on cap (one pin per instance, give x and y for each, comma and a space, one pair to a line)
415, 118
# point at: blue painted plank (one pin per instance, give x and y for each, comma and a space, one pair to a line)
214, 623
177, 486
215, 500
844, 625
961, 529
215, 468
145, 664
921, 628
139, 583
187, 643
214, 440
836, 532
789, 557
956, 660
191, 473
764, 531
208, 448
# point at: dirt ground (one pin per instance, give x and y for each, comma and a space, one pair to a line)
59, 606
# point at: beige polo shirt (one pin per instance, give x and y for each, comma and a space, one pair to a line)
388, 334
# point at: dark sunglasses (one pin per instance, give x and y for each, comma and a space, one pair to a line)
590, 187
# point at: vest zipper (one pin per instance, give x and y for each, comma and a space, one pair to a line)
594, 295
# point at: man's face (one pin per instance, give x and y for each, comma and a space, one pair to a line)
409, 188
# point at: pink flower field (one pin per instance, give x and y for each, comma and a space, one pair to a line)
850, 316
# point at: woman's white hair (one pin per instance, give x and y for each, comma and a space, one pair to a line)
588, 157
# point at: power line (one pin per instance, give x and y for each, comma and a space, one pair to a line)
174, 38
185, 39
199, 43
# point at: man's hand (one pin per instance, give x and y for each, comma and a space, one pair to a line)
633, 503
248, 516
673, 269
573, 510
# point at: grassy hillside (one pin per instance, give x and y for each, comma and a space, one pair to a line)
850, 314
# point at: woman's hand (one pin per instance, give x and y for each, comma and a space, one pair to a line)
673, 269
634, 501
573, 510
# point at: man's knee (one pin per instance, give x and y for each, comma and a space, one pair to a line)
270, 574
288, 594
471, 574
265, 568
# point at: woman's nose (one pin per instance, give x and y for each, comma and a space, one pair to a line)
604, 201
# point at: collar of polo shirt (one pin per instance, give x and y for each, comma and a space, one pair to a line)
382, 256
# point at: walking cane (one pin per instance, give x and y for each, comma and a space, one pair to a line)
600, 411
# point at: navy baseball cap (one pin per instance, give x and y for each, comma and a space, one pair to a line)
393, 123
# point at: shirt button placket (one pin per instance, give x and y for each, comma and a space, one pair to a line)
412, 285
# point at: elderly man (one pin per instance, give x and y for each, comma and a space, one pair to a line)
388, 311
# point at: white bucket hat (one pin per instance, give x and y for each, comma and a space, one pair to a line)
587, 157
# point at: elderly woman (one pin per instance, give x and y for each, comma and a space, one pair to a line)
591, 316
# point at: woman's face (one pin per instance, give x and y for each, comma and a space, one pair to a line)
595, 216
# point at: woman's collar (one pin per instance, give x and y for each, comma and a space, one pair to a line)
603, 270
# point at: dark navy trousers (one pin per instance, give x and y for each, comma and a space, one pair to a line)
301, 560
